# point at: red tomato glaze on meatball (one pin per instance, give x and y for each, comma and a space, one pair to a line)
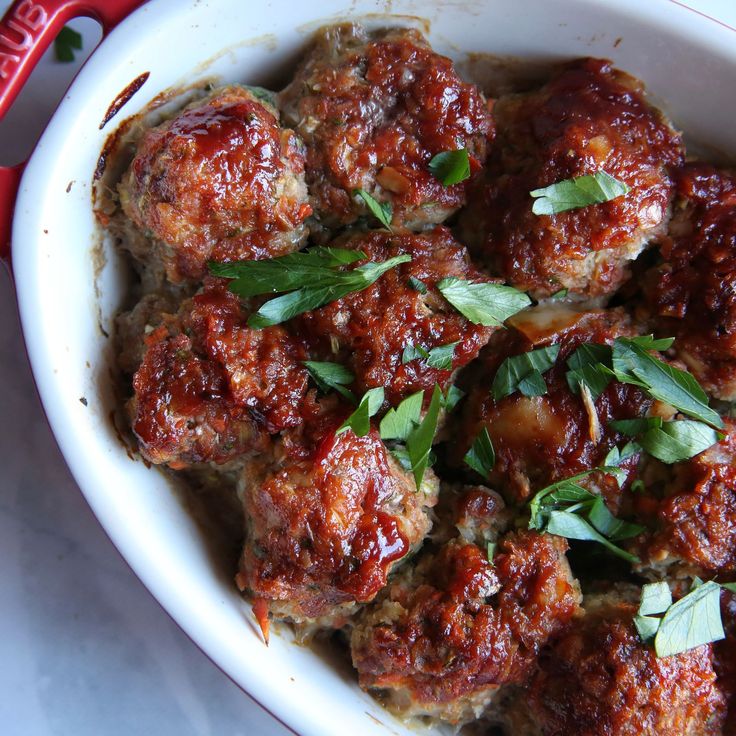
210, 388
692, 294
373, 109
369, 329
588, 118
220, 181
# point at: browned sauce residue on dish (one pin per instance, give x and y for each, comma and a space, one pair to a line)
117, 104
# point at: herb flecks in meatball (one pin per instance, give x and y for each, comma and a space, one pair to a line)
373, 110
539, 440
370, 329
692, 294
599, 678
588, 118
324, 531
220, 181
210, 388
457, 628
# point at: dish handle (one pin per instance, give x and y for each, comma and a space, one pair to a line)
26, 31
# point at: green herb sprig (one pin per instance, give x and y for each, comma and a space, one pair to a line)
693, 620
440, 357
451, 167
331, 376
481, 456
66, 43
360, 420
486, 304
311, 279
523, 373
382, 211
581, 191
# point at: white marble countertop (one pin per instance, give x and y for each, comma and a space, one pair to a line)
85, 649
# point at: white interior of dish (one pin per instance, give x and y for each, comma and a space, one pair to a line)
687, 61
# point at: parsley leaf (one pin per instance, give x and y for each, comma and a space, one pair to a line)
419, 441
690, 622
398, 423
589, 365
680, 440
360, 420
635, 427
451, 167
524, 373
561, 294
655, 598
481, 456
66, 43
331, 376
382, 211
490, 551
561, 507
634, 365
417, 285
261, 93
312, 279
452, 397
440, 357
483, 304
570, 194
572, 526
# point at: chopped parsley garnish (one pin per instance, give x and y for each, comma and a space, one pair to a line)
440, 357
690, 622
382, 211
452, 397
312, 279
523, 373
483, 304
261, 93
490, 551
670, 442
331, 376
404, 424
66, 43
451, 167
360, 420
481, 456
417, 285
561, 294
581, 191
568, 510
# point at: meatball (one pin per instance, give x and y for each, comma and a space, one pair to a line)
542, 439
456, 628
220, 181
695, 521
599, 678
210, 388
324, 532
588, 118
369, 329
692, 293
725, 659
374, 109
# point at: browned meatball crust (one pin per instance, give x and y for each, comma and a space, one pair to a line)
450, 633
373, 109
694, 524
599, 678
369, 329
724, 653
324, 531
210, 388
588, 118
692, 294
220, 181
542, 439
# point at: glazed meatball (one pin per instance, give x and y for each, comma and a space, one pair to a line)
220, 181
450, 633
695, 521
210, 388
324, 532
599, 678
725, 659
369, 329
542, 439
692, 293
374, 109
589, 118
